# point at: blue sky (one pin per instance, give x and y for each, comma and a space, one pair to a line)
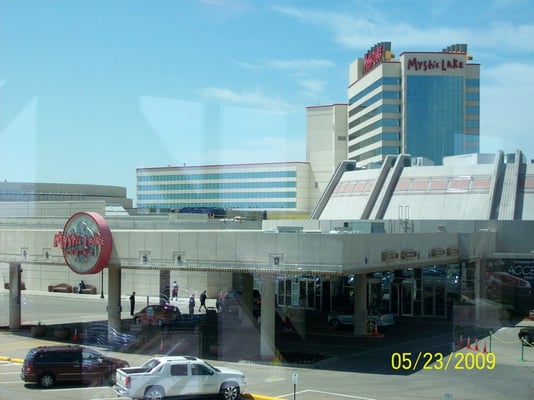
92, 90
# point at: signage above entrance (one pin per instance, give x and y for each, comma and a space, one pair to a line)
86, 242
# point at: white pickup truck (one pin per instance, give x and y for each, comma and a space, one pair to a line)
178, 376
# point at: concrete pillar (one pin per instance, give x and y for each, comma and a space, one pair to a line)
15, 271
267, 330
165, 283
248, 286
114, 297
360, 305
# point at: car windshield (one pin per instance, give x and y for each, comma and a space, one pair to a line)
340, 190
212, 367
151, 364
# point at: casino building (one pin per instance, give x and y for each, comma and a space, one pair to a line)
426, 104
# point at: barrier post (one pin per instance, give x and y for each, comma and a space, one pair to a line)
295, 380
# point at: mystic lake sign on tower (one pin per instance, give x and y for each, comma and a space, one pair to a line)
86, 242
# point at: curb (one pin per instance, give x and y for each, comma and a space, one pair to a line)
12, 359
252, 396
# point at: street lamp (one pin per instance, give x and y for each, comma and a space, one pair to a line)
102, 284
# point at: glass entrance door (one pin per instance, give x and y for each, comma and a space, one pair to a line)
434, 300
407, 293
402, 297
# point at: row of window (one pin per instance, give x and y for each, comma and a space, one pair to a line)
218, 176
234, 204
216, 186
384, 136
218, 195
381, 151
386, 80
472, 110
385, 95
386, 122
472, 83
472, 123
385, 108
472, 96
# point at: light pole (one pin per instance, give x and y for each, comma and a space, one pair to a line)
102, 284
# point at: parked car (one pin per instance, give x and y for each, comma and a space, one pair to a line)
156, 314
381, 317
106, 336
178, 376
48, 365
183, 322
526, 335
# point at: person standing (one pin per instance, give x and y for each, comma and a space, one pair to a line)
203, 297
192, 304
132, 304
175, 291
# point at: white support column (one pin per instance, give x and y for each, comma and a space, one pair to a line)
15, 271
114, 297
360, 305
267, 330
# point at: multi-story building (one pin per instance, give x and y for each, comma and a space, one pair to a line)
424, 103
260, 186
326, 144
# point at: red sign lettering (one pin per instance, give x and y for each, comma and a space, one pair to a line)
372, 58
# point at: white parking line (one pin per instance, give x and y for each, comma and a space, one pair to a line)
73, 388
328, 393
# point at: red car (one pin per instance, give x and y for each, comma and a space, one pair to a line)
156, 314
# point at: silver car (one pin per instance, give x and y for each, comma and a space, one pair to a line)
381, 317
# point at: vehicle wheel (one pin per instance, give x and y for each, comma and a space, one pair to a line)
154, 393
47, 380
229, 391
335, 324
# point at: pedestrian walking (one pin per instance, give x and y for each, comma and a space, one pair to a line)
203, 298
192, 304
175, 291
132, 304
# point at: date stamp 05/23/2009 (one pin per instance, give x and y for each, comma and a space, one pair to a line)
408, 361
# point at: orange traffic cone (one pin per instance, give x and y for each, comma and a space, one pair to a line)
484, 348
476, 344
461, 343
375, 331
468, 343
75, 337
161, 346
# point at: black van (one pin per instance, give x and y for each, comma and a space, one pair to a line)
48, 365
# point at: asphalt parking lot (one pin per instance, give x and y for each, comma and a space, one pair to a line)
412, 360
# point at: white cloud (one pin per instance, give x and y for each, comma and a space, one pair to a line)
296, 65
361, 32
247, 99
